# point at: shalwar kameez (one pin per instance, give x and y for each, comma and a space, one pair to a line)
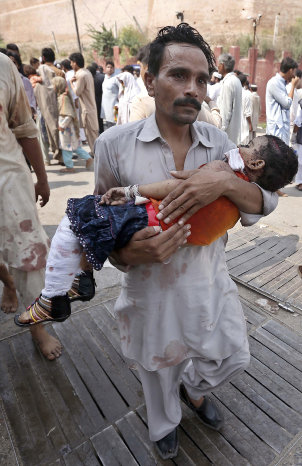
181, 320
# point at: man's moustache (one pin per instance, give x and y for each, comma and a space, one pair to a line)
188, 100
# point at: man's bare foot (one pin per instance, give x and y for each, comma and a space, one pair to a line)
49, 346
9, 302
67, 170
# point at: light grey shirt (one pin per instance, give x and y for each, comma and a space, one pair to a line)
230, 104
278, 105
189, 307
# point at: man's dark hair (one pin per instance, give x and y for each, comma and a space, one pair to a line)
17, 59
287, 64
299, 73
238, 72
183, 33
2, 50
13, 47
92, 70
242, 78
33, 61
95, 65
66, 64
128, 68
78, 58
281, 164
110, 62
143, 54
48, 54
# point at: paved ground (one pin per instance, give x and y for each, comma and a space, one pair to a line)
286, 220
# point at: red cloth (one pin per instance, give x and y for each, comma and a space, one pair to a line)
208, 224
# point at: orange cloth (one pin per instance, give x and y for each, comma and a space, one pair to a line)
210, 222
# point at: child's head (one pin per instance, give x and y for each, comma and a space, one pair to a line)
29, 70
269, 162
59, 84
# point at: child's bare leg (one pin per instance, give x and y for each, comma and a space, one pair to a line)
9, 302
49, 346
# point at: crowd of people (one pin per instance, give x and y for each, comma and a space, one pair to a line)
170, 146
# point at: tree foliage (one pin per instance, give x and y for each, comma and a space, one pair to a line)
103, 40
132, 38
292, 40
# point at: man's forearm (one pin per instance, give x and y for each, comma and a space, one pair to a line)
158, 190
246, 196
32, 150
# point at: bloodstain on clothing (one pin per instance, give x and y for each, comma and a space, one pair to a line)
146, 273
63, 252
50, 269
184, 268
70, 274
76, 251
26, 226
36, 259
174, 354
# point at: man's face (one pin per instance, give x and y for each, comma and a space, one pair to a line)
181, 84
73, 65
221, 68
290, 74
109, 69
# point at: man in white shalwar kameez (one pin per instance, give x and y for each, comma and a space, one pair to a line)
230, 98
246, 116
178, 313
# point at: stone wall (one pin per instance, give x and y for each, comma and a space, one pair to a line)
32, 21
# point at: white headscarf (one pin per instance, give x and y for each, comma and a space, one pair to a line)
128, 90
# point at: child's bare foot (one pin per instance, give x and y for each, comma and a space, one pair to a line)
49, 346
9, 302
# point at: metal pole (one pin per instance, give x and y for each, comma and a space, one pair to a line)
56, 45
76, 25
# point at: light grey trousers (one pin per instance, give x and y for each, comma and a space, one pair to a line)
200, 376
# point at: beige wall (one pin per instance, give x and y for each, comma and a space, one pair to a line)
32, 21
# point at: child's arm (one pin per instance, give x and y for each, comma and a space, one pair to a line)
159, 190
118, 196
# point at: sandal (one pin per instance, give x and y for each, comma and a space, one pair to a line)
299, 187
82, 288
56, 309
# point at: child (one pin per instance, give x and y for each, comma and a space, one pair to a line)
99, 224
69, 131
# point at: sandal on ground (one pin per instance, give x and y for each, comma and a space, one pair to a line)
299, 187
67, 170
82, 288
56, 309
167, 447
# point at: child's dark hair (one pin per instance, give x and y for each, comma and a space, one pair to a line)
183, 33
29, 70
281, 164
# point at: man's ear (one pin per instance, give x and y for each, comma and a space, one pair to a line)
149, 83
256, 164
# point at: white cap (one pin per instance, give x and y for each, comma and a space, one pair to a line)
217, 75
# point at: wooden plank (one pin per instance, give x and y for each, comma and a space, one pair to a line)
259, 271
284, 334
279, 347
296, 258
242, 439
257, 421
270, 274
276, 409
109, 402
276, 363
251, 263
135, 435
33, 447
275, 384
252, 316
280, 280
111, 449
238, 253
121, 377
84, 454
248, 255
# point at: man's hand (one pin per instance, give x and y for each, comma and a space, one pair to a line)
149, 246
73, 79
42, 190
295, 81
199, 190
60, 129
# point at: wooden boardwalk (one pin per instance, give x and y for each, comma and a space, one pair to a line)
87, 407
